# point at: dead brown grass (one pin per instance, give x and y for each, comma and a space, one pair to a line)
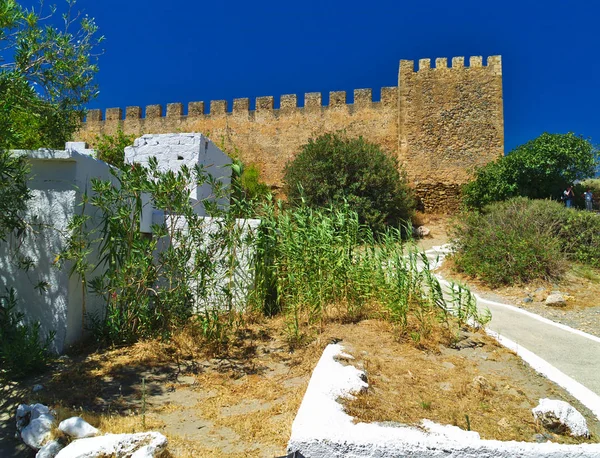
484, 387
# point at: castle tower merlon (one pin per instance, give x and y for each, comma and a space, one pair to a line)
441, 62
363, 97
265, 103
389, 97
218, 107
475, 61
114, 114
458, 62
495, 64
337, 99
241, 105
153, 111
174, 110
312, 101
133, 112
196, 109
288, 103
94, 116
424, 64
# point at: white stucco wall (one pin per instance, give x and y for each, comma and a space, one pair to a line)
58, 179
174, 150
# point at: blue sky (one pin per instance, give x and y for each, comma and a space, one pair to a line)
182, 51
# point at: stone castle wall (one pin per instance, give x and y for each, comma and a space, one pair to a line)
439, 122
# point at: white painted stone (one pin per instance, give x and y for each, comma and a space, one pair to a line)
34, 424
78, 428
323, 429
140, 445
50, 450
557, 416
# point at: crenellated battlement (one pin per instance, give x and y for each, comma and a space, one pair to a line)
443, 119
363, 98
493, 64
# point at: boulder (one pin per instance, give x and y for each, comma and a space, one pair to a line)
540, 294
555, 300
421, 231
140, 445
560, 417
77, 428
34, 423
50, 450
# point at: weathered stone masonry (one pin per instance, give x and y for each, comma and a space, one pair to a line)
440, 122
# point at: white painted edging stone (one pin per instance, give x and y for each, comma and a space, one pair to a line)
322, 428
139, 445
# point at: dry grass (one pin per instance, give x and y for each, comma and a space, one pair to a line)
486, 388
244, 400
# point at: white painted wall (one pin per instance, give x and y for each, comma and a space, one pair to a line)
58, 179
174, 150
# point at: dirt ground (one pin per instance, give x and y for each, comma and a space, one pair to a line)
244, 402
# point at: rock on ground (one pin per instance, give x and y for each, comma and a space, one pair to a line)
77, 428
50, 450
34, 423
140, 445
560, 417
556, 300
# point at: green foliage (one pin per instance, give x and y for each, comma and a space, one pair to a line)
22, 351
111, 148
333, 169
152, 284
539, 169
520, 240
248, 191
580, 236
14, 193
318, 264
46, 75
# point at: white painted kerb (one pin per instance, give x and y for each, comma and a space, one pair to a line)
323, 429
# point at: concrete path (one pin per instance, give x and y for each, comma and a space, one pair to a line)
574, 353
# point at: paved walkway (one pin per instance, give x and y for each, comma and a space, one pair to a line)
574, 353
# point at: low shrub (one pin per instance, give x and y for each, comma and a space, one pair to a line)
511, 242
520, 240
22, 350
580, 237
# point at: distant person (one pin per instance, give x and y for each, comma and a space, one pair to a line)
589, 200
568, 196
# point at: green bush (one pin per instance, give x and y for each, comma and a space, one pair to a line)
580, 237
511, 242
521, 239
22, 351
111, 148
333, 169
539, 169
